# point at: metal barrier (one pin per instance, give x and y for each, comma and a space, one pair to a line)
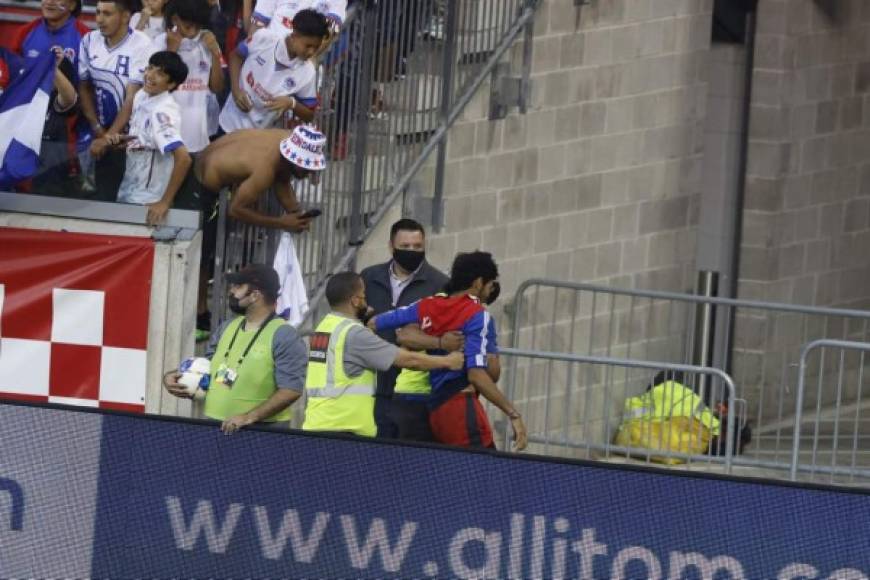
841, 426
756, 343
398, 77
581, 408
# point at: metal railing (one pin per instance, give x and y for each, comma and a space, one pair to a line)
838, 429
398, 77
580, 409
757, 343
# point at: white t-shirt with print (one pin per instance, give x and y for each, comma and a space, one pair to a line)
156, 124
156, 25
268, 72
110, 69
278, 14
193, 94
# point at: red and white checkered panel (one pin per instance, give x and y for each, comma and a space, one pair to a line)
74, 317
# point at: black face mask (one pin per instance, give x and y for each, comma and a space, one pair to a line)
409, 260
234, 305
493, 294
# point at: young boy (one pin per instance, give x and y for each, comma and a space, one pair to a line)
199, 50
271, 74
157, 160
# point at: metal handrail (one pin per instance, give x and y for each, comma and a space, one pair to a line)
630, 363
697, 299
432, 144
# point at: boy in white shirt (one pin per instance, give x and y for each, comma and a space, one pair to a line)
271, 73
199, 50
157, 160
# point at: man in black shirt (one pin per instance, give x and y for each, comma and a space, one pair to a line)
403, 280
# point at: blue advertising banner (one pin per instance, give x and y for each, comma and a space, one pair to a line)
176, 499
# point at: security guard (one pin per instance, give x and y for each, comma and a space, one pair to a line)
258, 361
343, 358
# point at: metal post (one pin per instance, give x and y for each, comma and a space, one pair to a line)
448, 66
361, 117
705, 328
525, 83
218, 288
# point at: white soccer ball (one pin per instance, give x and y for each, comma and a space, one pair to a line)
195, 376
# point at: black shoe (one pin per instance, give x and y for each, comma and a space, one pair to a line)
203, 326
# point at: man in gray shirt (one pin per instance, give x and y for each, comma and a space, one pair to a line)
342, 400
258, 360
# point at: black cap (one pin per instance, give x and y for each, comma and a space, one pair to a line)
259, 276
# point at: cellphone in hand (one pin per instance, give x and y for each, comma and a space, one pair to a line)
311, 213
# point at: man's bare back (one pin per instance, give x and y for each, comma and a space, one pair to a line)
253, 162
235, 157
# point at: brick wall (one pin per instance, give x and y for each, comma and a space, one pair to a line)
807, 208
600, 181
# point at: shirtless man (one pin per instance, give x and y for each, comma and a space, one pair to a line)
249, 162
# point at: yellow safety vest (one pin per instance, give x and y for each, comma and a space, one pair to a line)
256, 375
411, 382
337, 402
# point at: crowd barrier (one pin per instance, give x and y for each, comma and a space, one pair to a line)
830, 403
599, 407
758, 344
94, 494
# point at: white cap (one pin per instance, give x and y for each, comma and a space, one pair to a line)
304, 147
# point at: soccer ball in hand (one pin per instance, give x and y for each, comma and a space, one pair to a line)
195, 376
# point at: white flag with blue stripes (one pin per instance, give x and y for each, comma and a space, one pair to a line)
22, 116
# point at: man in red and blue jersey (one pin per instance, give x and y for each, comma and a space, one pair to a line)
456, 415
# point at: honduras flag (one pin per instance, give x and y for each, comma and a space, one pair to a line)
22, 116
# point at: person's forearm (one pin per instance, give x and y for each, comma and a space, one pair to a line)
126, 109
216, 74
280, 400
255, 217
413, 338
247, 12
303, 112
235, 70
420, 361
180, 167
486, 387
66, 93
89, 109
286, 196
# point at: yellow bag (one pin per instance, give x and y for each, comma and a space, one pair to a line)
678, 435
669, 417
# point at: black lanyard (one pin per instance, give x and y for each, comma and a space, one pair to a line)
250, 344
